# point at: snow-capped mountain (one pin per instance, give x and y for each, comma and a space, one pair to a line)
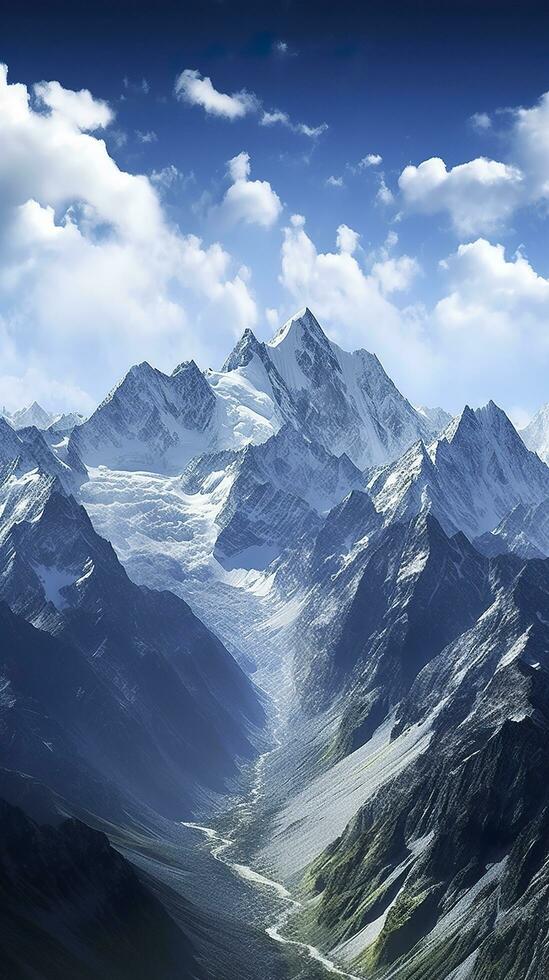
27, 450
469, 478
384, 582
344, 402
274, 493
63, 424
524, 531
536, 433
32, 414
446, 864
437, 417
177, 710
150, 420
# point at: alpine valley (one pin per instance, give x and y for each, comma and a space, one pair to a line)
274, 679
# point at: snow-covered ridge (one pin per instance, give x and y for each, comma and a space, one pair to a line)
34, 414
469, 478
535, 435
343, 401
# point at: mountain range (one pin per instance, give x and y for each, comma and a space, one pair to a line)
279, 603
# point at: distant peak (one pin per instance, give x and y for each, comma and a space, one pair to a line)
304, 321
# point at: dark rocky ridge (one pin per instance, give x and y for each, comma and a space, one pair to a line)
72, 908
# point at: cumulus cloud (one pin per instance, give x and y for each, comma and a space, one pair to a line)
334, 181
91, 272
197, 89
253, 202
477, 195
396, 275
481, 121
370, 160
347, 239
486, 331
492, 322
79, 108
480, 195
530, 146
351, 303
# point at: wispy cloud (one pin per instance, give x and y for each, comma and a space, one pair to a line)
192, 87
370, 160
283, 50
196, 89
480, 121
277, 117
146, 137
137, 88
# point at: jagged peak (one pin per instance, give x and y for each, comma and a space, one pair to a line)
304, 321
472, 420
187, 367
142, 368
242, 353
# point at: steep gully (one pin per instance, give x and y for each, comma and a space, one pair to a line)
219, 846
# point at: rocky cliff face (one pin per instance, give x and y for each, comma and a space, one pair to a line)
72, 907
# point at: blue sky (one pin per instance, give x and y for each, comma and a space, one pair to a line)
160, 248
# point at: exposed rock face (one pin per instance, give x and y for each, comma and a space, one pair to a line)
524, 531
469, 478
150, 421
343, 401
436, 867
270, 495
178, 712
392, 580
72, 907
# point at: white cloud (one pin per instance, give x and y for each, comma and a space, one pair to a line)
169, 176
492, 323
192, 87
312, 131
91, 272
370, 160
481, 121
78, 108
274, 117
347, 239
485, 335
277, 117
351, 303
334, 181
530, 146
149, 136
396, 275
482, 194
253, 202
384, 194
478, 195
